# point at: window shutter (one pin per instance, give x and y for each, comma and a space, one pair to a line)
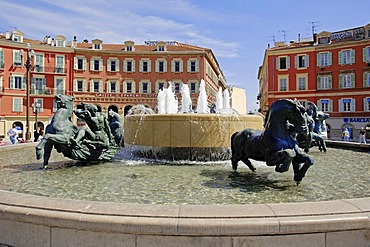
197, 65
141, 65
352, 80
296, 61
307, 60
172, 66
117, 65
109, 65
329, 58
364, 79
84, 86
84, 64
288, 62
33, 84
318, 59
318, 82
330, 105
133, 87
341, 81
165, 65
91, 86
124, 65
149, 87
353, 56
108, 87
75, 63
1, 58
181, 66
364, 54
340, 57
340, 105
149, 66
330, 82
75, 85
353, 105
43, 84
141, 87
24, 83
12, 82
133, 65
277, 63
189, 66
118, 86
100, 86
92, 62
156, 66
366, 104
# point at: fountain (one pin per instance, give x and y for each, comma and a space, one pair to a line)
200, 203
196, 137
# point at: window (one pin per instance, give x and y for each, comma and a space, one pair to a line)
177, 87
80, 63
347, 80
324, 40
113, 87
324, 82
367, 104
59, 64
176, 66
39, 63
325, 105
17, 104
366, 54
17, 58
145, 65
347, 105
59, 85
282, 63
113, 65
366, 79
161, 66
283, 82
128, 48
145, 87
96, 64
60, 43
193, 65
301, 83
160, 86
79, 85
96, 46
129, 65
17, 82
324, 59
96, 86
38, 85
129, 87
161, 48
346, 57
193, 87
301, 61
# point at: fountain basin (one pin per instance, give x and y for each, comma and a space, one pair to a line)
194, 137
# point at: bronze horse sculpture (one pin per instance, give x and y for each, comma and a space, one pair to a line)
276, 144
91, 140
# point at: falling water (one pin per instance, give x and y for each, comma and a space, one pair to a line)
226, 99
161, 98
186, 104
219, 100
202, 106
167, 102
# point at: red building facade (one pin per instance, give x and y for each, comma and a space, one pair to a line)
112, 76
332, 70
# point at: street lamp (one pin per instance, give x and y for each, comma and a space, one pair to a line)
30, 53
36, 109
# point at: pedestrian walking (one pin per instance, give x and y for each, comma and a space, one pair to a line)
362, 136
13, 134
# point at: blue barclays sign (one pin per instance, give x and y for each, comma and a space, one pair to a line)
356, 120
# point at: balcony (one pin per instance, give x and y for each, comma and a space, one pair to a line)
39, 69
48, 91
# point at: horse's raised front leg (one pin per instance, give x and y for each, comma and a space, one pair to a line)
281, 160
300, 172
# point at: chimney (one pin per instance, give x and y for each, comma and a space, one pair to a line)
49, 40
74, 42
52, 42
7, 35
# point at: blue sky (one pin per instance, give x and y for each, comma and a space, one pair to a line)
237, 31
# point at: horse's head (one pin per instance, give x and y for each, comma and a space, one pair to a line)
286, 117
64, 101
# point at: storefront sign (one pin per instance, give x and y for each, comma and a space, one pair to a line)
356, 120
127, 95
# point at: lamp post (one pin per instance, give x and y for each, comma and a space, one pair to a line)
28, 66
36, 109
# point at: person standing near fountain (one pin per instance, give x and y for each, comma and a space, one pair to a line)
345, 135
361, 136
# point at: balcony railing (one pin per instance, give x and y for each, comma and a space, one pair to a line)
49, 91
39, 69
